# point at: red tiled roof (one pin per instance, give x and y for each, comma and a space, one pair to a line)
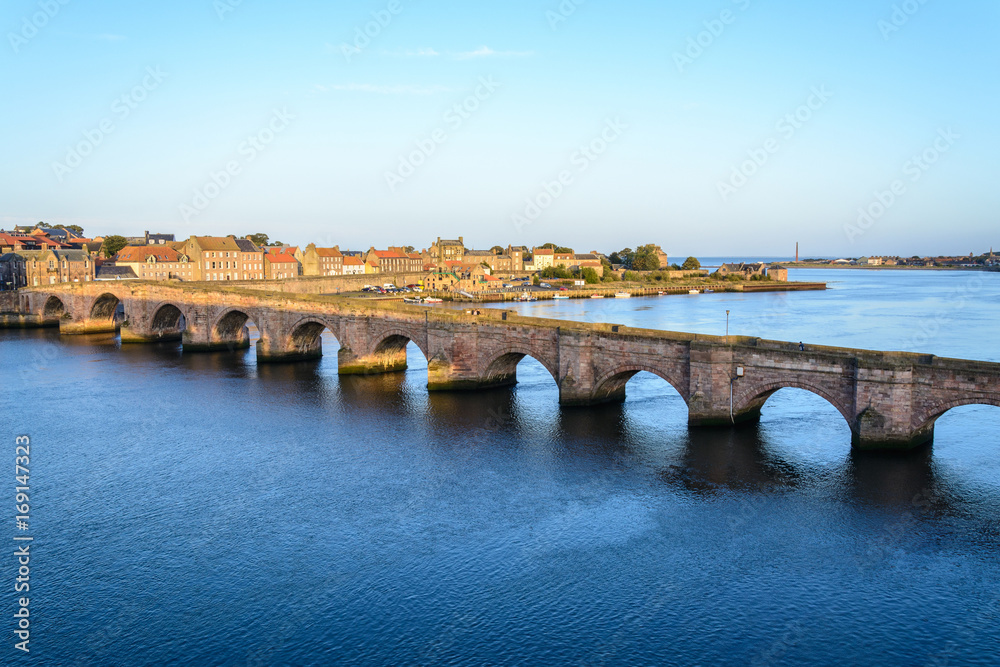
388, 254
351, 260
281, 259
136, 253
329, 252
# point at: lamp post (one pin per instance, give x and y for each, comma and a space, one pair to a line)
727, 327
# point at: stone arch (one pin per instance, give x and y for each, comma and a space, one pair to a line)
53, 308
928, 418
500, 366
229, 325
104, 307
612, 383
755, 396
306, 334
393, 341
168, 316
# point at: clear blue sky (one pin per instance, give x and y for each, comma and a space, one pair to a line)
682, 125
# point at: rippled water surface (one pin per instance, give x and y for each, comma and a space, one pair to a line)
199, 509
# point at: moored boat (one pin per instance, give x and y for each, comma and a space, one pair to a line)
622, 295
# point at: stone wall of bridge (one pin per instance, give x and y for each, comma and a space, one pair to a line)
889, 399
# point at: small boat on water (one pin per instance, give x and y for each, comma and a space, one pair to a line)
661, 293
693, 291
622, 295
560, 296
411, 300
527, 297
596, 296
431, 299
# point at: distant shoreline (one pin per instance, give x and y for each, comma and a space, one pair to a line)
804, 265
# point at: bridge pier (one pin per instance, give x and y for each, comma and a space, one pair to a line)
269, 352
392, 359
198, 341
69, 327
444, 375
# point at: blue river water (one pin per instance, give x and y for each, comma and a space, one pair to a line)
199, 509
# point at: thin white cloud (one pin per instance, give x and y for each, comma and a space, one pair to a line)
419, 53
487, 52
481, 52
385, 90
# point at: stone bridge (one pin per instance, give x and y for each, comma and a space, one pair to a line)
889, 399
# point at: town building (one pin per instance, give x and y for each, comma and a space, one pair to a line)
394, 260
50, 267
353, 265
564, 259
251, 260
150, 239
156, 262
111, 271
13, 274
322, 261
221, 258
778, 273
20, 241
744, 270
587, 261
281, 267
447, 250
542, 258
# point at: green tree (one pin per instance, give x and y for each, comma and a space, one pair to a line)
76, 229
497, 250
691, 264
258, 239
556, 272
590, 276
112, 245
645, 259
409, 249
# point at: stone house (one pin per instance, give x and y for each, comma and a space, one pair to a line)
747, 271
13, 274
447, 250
353, 265
322, 261
156, 262
281, 266
50, 267
222, 258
